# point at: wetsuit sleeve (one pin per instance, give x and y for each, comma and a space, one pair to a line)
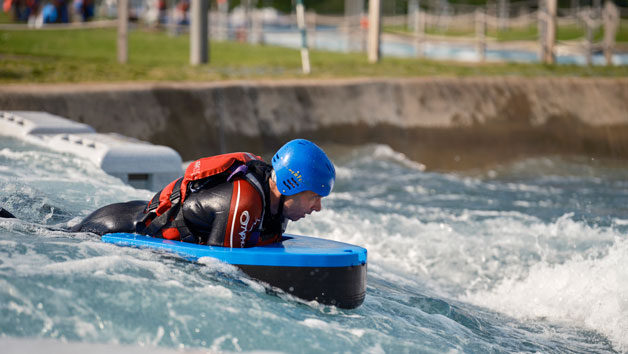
119, 217
245, 215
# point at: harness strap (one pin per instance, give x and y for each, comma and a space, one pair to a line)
170, 218
154, 203
175, 197
241, 169
277, 222
251, 178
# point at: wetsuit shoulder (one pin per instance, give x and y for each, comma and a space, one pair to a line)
245, 214
224, 214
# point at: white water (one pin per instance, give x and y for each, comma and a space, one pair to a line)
532, 256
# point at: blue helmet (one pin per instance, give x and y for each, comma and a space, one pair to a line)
300, 166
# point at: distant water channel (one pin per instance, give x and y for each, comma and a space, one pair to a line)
531, 256
329, 38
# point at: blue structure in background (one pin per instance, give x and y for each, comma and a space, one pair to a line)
330, 38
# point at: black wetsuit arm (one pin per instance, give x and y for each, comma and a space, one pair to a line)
119, 217
206, 213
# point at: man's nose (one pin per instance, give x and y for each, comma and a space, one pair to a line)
317, 205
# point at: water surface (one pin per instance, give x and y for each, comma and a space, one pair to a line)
528, 257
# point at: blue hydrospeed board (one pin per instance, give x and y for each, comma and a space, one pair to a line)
311, 268
292, 251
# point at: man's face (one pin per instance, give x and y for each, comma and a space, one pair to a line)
297, 206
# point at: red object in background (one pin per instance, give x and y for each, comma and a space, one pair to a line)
364, 22
7, 5
184, 6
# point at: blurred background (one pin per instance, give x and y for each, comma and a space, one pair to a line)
575, 32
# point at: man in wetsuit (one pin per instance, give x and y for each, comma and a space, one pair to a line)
239, 203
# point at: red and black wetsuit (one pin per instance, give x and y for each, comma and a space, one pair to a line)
217, 212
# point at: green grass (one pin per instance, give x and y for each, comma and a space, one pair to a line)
5, 17
90, 56
622, 33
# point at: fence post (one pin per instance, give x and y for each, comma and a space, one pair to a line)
123, 27
480, 33
223, 20
256, 27
347, 22
524, 13
597, 5
551, 31
504, 14
419, 30
352, 22
611, 23
412, 8
172, 22
374, 52
364, 32
247, 20
547, 30
542, 29
311, 14
199, 39
590, 25
575, 7
305, 53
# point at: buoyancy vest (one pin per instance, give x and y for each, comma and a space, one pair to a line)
163, 217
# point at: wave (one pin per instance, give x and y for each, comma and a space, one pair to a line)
591, 292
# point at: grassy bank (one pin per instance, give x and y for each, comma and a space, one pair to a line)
90, 56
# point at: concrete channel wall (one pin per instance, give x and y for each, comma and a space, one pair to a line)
445, 123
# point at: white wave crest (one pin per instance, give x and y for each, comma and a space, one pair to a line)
382, 152
385, 152
592, 293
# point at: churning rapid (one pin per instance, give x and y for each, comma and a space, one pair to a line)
528, 257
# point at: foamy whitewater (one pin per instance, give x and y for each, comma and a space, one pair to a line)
528, 257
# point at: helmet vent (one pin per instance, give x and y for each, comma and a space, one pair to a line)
293, 182
287, 185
